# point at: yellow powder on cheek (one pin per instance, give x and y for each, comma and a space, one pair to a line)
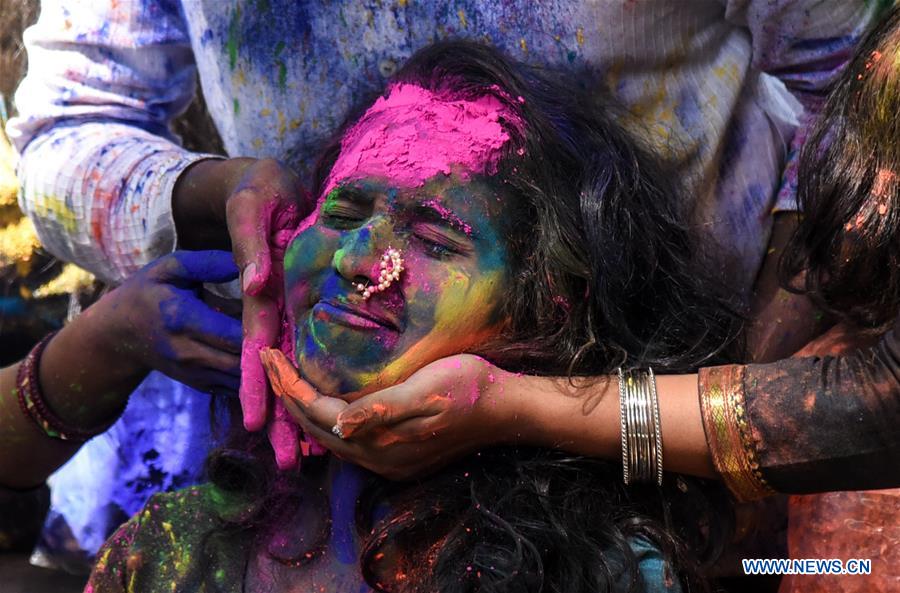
462, 321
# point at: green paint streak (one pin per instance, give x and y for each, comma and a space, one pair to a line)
282, 74
279, 47
338, 258
237, 107
233, 42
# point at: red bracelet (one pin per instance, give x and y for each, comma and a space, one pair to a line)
32, 402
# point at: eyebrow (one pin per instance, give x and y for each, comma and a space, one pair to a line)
434, 211
350, 193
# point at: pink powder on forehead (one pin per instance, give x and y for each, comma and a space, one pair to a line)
414, 134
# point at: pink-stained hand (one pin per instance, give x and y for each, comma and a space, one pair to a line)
262, 212
445, 410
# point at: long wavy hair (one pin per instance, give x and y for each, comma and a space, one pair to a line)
604, 272
845, 252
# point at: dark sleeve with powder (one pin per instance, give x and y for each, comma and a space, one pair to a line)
172, 545
827, 423
110, 572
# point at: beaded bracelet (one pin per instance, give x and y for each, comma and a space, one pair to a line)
33, 405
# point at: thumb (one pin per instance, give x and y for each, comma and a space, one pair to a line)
191, 267
285, 378
250, 225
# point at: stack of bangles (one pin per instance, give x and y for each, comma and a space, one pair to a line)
33, 405
642, 459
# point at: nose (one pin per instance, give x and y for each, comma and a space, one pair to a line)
359, 255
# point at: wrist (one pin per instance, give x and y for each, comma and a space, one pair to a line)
199, 199
580, 417
514, 413
77, 392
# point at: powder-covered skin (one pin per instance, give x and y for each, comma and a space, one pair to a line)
445, 302
414, 134
413, 174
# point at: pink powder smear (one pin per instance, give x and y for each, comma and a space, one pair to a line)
253, 385
414, 134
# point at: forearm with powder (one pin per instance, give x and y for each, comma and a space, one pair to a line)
585, 420
76, 362
798, 425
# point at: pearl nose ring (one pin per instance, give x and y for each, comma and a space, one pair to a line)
391, 265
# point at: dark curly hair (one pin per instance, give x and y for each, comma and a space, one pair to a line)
604, 272
845, 252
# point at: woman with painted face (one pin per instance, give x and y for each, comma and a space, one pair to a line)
473, 208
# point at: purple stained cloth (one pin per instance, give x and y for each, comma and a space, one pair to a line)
159, 444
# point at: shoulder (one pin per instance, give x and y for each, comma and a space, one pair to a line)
168, 544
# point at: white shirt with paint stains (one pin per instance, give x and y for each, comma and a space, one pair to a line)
720, 86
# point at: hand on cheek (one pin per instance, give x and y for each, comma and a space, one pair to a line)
262, 210
449, 408
297, 394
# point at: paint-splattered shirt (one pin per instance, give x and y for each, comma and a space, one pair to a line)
720, 85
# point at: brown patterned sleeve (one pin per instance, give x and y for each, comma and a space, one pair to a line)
805, 425
729, 437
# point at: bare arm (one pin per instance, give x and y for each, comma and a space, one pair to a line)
83, 381
155, 321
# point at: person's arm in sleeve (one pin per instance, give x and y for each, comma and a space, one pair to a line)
111, 571
98, 162
803, 425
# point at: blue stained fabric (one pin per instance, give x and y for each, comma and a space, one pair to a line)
158, 444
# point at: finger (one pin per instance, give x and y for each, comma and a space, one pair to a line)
389, 406
249, 213
285, 378
184, 268
325, 438
286, 220
287, 383
261, 323
213, 328
283, 437
191, 354
416, 430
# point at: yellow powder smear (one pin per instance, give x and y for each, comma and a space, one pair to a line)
463, 296
71, 279
17, 242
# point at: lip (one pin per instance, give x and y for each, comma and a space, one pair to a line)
353, 317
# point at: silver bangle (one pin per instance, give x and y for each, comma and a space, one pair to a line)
641, 433
657, 429
624, 437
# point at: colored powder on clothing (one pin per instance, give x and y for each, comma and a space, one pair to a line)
413, 134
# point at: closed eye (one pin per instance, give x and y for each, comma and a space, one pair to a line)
346, 208
439, 243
